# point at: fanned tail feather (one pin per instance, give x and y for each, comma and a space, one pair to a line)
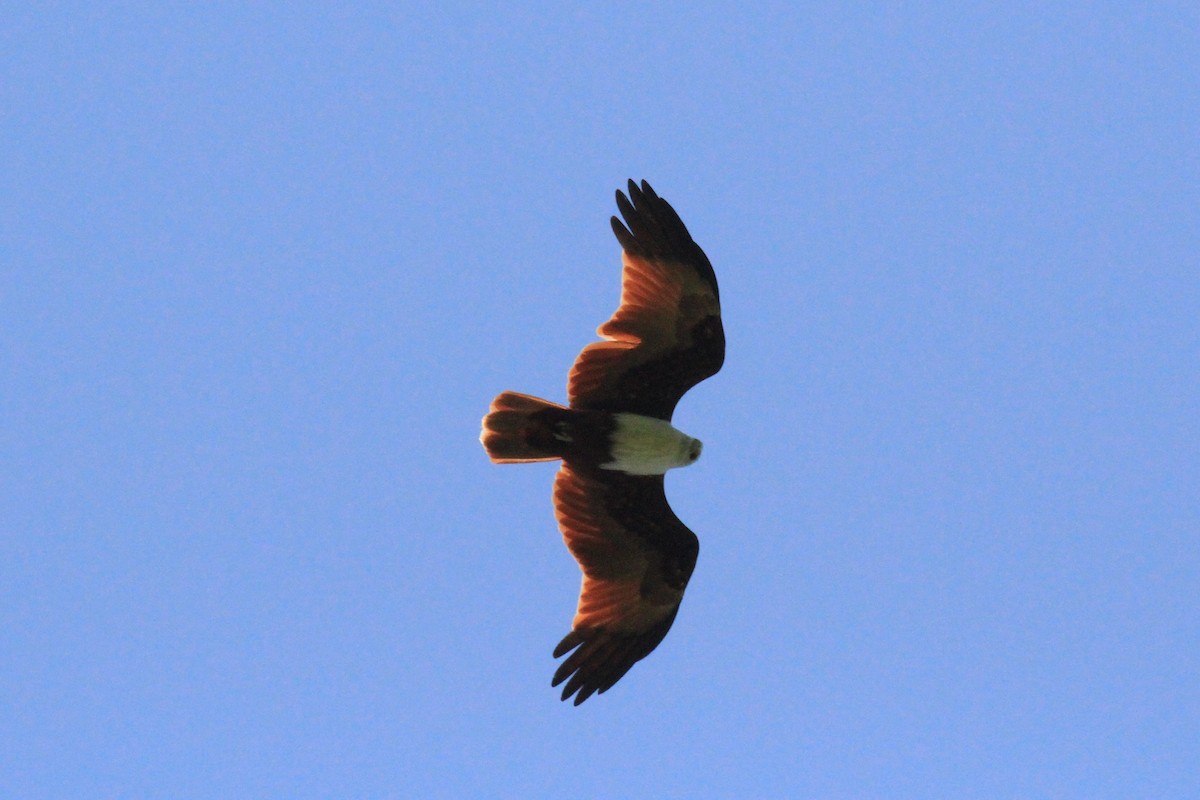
513, 434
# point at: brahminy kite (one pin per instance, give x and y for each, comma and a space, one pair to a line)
616, 442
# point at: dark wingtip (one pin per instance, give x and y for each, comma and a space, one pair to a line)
638, 197
568, 643
624, 237
655, 229
560, 675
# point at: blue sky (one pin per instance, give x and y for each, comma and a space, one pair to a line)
262, 268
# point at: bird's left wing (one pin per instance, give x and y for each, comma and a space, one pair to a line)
636, 558
666, 336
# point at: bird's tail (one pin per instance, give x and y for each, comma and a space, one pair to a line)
518, 429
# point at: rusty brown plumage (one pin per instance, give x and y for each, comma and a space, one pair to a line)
635, 556
666, 335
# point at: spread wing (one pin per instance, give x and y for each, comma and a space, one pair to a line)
666, 336
636, 558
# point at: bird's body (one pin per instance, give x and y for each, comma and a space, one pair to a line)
616, 442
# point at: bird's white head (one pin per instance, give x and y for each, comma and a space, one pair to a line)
649, 446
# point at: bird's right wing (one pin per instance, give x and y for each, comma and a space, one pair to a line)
636, 557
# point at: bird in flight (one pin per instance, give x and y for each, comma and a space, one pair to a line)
616, 442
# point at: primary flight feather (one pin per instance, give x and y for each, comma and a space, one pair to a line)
616, 442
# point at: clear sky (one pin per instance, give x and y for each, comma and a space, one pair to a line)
263, 267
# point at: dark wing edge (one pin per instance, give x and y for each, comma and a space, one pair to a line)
603, 657
654, 230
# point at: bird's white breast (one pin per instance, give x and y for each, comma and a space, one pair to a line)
648, 446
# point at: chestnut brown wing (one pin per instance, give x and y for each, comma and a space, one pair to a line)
636, 557
666, 336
